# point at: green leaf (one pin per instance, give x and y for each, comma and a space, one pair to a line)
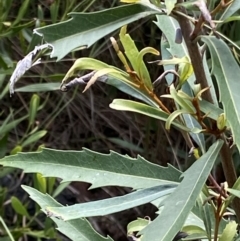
179, 204
226, 71
230, 10
69, 35
34, 138
143, 73
129, 105
203, 210
111, 205
234, 192
169, 26
60, 188
229, 232
19, 207
96, 168
192, 123
191, 229
137, 225
195, 220
119, 78
34, 104
211, 110
131, 90
41, 182
39, 87
16, 149
182, 102
23, 9
9, 125
3, 145
173, 116
170, 4
125, 144
79, 229
135, 58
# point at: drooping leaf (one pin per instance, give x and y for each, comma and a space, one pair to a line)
84, 29
111, 205
179, 204
77, 230
95, 168
173, 116
226, 71
118, 78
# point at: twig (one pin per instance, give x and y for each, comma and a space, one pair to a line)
194, 54
229, 172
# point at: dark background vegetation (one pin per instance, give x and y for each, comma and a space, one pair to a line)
74, 120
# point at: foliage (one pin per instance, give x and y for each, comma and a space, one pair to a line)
208, 124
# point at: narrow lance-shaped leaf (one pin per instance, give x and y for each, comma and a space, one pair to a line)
179, 204
170, 27
77, 230
191, 122
128, 105
98, 169
227, 72
84, 29
132, 53
111, 205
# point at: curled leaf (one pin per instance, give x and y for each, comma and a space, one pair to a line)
185, 70
173, 116
185, 103
97, 75
143, 72
25, 64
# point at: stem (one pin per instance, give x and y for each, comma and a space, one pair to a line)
194, 54
6, 228
229, 173
196, 58
216, 185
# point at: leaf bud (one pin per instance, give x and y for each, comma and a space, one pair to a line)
221, 121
